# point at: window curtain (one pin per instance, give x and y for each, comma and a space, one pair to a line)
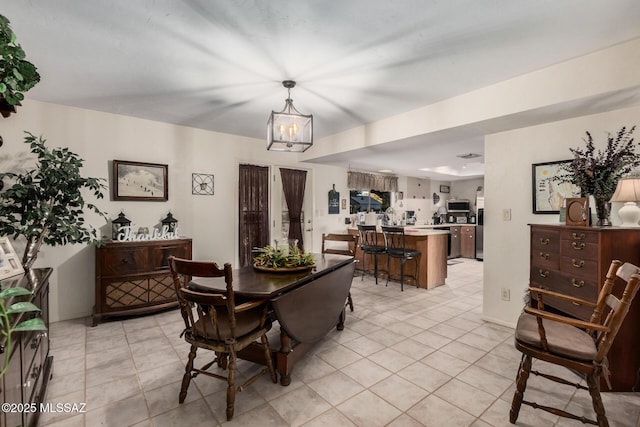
253, 207
369, 181
293, 183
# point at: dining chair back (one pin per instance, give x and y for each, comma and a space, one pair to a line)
215, 322
341, 244
370, 245
396, 247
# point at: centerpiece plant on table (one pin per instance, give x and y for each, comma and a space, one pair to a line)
271, 257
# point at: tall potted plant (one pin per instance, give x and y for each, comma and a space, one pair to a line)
17, 75
45, 204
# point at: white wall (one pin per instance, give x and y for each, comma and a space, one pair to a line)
508, 160
210, 220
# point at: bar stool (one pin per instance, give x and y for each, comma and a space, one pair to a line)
394, 240
369, 245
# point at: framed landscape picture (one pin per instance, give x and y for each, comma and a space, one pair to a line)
548, 191
140, 181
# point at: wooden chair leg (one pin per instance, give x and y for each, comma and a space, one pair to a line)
186, 379
596, 399
521, 385
268, 358
231, 384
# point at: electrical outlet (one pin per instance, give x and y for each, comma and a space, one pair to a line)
506, 214
506, 294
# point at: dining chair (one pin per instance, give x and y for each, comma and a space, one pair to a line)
213, 321
577, 345
341, 244
370, 246
395, 244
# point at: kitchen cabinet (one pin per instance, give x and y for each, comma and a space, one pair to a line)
134, 277
30, 365
456, 247
468, 241
574, 261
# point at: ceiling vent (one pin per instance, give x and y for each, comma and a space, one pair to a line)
469, 155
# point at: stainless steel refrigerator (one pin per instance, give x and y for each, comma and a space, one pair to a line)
479, 234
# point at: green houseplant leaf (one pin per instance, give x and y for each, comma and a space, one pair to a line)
14, 292
22, 307
36, 324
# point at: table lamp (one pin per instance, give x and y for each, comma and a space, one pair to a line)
628, 191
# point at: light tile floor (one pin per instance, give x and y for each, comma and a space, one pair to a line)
407, 358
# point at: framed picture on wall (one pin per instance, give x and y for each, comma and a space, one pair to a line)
10, 264
140, 181
548, 191
445, 189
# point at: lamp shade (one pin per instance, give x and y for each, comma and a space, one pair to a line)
628, 191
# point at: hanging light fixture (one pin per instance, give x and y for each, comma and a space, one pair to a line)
289, 130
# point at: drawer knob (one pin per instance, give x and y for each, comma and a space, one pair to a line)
577, 284
577, 264
544, 255
124, 261
577, 236
543, 273
577, 246
544, 241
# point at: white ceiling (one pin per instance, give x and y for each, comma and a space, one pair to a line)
218, 65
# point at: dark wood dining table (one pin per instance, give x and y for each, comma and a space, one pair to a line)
307, 304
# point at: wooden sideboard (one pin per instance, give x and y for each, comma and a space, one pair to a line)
25, 382
574, 261
133, 277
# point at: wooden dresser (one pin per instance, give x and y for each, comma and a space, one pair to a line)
25, 382
574, 261
134, 278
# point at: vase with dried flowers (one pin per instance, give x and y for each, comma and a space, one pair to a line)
596, 172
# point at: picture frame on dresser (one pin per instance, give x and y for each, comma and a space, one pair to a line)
142, 181
548, 190
10, 264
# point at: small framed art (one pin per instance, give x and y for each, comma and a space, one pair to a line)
10, 264
548, 191
445, 189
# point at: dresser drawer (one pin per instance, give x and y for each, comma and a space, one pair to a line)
586, 289
578, 311
158, 255
545, 240
124, 261
579, 249
579, 267
545, 259
579, 236
544, 278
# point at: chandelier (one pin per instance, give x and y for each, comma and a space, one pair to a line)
289, 130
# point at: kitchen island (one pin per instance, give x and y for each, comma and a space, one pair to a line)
433, 259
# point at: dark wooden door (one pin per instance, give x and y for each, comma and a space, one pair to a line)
253, 210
